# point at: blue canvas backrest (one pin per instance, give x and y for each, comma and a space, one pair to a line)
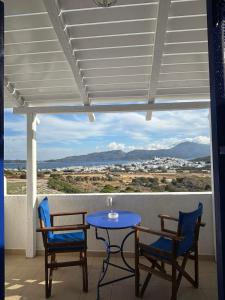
44, 214
187, 225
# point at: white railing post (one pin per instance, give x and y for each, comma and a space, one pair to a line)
31, 185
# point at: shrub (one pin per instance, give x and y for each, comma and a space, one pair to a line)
108, 189
62, 186
9, 173
170, 188
40, 175
56, 176
174, 181
163, 180
23, 176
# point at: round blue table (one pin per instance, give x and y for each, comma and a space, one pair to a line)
100, 220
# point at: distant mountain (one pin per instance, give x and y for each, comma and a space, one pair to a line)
185, 150
14, 161
206, 159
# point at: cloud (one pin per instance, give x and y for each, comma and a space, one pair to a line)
117, 146
200, 139
64, 135
163, 144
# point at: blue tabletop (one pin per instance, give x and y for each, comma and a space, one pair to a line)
126, 219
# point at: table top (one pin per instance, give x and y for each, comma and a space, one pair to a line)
126, 219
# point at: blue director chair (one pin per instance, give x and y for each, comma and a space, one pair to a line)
74, 240
167, 248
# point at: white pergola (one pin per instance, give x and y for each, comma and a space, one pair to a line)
73, 57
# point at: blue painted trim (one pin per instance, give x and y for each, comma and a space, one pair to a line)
215, 16
2, 261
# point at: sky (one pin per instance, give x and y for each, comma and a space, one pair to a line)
65, 135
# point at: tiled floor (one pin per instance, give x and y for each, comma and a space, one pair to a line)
25, 280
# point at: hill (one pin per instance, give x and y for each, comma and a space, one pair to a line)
185, 150
206, 159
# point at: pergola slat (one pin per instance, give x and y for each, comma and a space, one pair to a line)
123, 62
114, 14
80, 4
113, 51
45, 46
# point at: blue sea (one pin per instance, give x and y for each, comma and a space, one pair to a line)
55, 165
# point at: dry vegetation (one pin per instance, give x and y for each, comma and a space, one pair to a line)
62, 182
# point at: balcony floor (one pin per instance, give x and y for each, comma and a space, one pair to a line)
25, 280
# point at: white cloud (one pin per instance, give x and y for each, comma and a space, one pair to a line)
115, 146
59, 137
118, 146
157, 146
200, 139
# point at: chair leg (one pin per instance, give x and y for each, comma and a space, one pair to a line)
137, 275
51, 274
47, 287
174, 281
147, 279
137, 282
48, 276
196, 268
84, 271
54, 260
163, 266
182, 268
145, 284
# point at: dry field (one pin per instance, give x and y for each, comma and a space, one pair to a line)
62, 182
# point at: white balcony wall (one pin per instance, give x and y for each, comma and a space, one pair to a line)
147, 205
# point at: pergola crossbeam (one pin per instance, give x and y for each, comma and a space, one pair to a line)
187, 105
161, 27
56, 19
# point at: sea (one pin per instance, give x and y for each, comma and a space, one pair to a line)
44, 165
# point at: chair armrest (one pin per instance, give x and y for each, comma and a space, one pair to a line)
63, 228
168, 235
168, 217
68, 213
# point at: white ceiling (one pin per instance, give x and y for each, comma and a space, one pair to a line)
113, 52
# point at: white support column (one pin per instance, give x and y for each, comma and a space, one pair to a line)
5, 185
31, 185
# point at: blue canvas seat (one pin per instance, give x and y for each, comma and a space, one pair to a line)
168, 247
66, 238
186, 224
163, 244
75, 240
44, 215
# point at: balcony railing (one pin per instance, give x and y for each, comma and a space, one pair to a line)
147, 205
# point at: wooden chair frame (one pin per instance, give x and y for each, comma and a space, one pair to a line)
163, 257
52, 264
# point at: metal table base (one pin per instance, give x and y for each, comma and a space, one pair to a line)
113, 249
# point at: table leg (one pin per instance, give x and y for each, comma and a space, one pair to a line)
106, 262
122, 253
